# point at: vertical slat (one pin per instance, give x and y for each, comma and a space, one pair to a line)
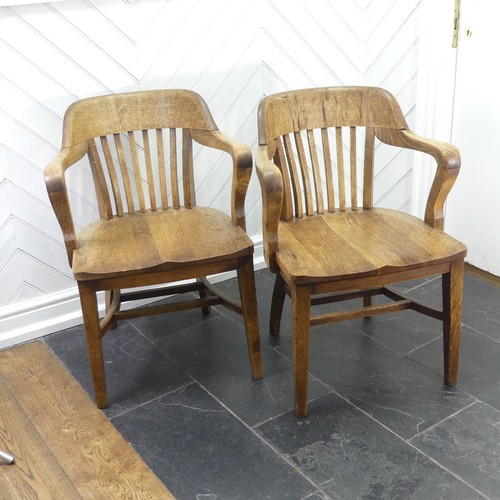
187, 169
340, 167
280, 159
354, 182
101, 187
316, 175
161, 168
297, 195
327, 158
174, 181
124, 171
115, 185
304, 170
137, 170
368, 169
149, 170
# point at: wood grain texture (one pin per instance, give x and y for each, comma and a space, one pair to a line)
64, 447
381, 240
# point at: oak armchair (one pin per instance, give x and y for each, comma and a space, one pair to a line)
150, 230
326, 246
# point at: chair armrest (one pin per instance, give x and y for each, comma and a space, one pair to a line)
56, 187
242, 168
447, 158
271, 183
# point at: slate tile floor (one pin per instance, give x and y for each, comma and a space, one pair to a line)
381, 424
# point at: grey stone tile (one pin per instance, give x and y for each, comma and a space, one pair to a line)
481, 300
403, 396
199, 450
161, 325
479, 364
215, 354
350, 456
468, 444
136, 371
402, 331
264, 283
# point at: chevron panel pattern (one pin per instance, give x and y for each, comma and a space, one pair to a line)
232, 53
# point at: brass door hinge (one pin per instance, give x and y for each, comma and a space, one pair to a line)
456, 24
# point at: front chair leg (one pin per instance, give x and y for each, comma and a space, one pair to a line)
90, 313
452, 310
248, 295
301, 315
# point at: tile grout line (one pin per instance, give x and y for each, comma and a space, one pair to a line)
125, 412
405, 355
445, 419
261, 438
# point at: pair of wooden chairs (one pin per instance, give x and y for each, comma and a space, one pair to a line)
322, 246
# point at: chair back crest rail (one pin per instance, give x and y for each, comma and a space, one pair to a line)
140, 148
321, 142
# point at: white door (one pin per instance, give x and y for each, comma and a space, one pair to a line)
473, 209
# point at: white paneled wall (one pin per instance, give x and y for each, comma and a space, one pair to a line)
231, 52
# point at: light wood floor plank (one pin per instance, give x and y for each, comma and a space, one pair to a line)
46, 417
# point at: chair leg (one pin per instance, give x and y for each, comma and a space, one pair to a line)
90, 313
277, 305
246, 282
109, 295
452, 309
301, 316
203, 294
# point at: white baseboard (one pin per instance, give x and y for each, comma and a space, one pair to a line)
51, 313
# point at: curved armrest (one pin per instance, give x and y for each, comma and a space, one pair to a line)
58, 195
271, 183
242, 168
447, 158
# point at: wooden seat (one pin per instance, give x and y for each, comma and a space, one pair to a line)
149, 230
323, 246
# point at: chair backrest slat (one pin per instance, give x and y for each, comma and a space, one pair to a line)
280, 158
149, 170
340, 168
174, 181
187, 170
137, 171
327, 158
294, 177
124, 173
304, 170
115, 185
354, 183
318, 188
161, 168
368, 168
102, 193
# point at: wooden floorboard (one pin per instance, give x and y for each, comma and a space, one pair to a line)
63, 445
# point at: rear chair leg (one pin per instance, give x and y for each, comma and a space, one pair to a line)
277, 305
203, 294
88, 300
248, 295
109, 295
452, 310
